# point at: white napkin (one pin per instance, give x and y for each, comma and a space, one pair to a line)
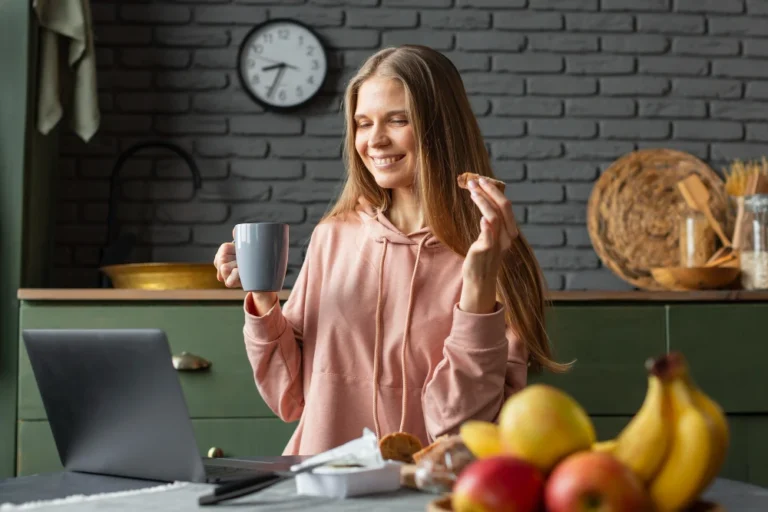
364, 451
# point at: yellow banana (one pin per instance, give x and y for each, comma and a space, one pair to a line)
688, 462
642, 444
609, 445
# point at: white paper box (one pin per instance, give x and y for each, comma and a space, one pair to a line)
339, 482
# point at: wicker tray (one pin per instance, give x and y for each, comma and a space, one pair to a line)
634, 209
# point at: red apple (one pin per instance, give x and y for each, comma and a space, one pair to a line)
498, 484
596, 482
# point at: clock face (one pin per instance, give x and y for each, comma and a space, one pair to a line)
282, 64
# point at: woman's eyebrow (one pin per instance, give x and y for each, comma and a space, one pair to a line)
390, 113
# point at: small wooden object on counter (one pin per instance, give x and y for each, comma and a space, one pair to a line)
164, 276
701, 278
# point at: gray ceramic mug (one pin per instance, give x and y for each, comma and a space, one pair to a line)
261, 249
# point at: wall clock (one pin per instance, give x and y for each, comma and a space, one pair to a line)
282, 64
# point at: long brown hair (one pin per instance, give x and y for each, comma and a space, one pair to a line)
450, 143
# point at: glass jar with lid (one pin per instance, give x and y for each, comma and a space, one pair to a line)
697, 239
753, 257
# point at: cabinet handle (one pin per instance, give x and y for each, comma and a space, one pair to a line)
190, 362
214, 452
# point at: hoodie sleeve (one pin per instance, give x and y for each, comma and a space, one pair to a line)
484, 362
273, 343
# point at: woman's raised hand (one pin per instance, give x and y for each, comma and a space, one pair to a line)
498, 229
226, 265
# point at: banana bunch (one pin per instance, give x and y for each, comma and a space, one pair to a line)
677, 441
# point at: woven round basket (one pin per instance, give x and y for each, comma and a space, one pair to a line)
634, 210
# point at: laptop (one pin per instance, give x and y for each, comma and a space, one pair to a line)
116, 407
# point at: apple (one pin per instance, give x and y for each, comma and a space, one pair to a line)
594, 482
498, 484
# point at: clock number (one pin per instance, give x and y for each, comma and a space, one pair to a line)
281, 95
283, 33
258, 48
315, 64
268, 38
255, 80
310, 50
311, 80
299, 91
251, 63
301, 40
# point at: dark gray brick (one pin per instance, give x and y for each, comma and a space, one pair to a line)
697, 149
535, 149
670, 23
524, 193
430, 4
757, 7
528, 107
439, 40
186, 213
229, 15
601, 22
191, 36
508, 170
600, 279
736, 26
103, 13
708, 130
77, 190
325, 126
156, 190
178, 169
216, 58
152, 102
260, 169
225, 101
191, 125
742, 68
308, 148
730, 151
528, 63
528, 20
81, 235
99, 145
469, 61
591, 150
306, 193
561, 170
757, 131
557, 214
710, 6
600, 107
578, 192
676, 108
265, 124
342, 38
462, 20
756, 48
634, 86
266, 212
706, 88
501, 127
565, 43
102, 168
739, 110
630, 5
492, 83
480, 106
155, 14
563, 128
114, 80
577, 237
212, 235
564, 5
673, 66
157, 58
381, 18
599, 64
564, 85
490, 41
314, 16
635, 129
90, 256
543, 236
706, 46
197, 80
358, 3
325, 170
495, 4
554, 280
234, 190
161, 235
122, 35
635, 43
231, 146
125, 123
755, 90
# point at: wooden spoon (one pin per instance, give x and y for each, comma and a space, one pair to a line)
696, 195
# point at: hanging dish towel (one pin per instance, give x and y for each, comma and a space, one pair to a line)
65, 34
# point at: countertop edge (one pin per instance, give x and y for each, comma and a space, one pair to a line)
111, 294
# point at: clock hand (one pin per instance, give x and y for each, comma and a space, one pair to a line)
277, 79
273, 66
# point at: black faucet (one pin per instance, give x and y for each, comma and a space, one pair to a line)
117, 249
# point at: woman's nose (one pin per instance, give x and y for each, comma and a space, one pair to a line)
377, 137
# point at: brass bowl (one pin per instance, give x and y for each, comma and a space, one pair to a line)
695, 278
163, 276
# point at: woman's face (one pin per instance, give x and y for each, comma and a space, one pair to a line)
383, 133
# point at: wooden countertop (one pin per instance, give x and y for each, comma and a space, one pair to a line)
109, 294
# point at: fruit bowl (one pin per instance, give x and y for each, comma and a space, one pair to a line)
443, 504
694, 278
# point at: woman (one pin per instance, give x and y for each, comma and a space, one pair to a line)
419, 305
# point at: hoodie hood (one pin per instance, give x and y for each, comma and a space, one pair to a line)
380, 228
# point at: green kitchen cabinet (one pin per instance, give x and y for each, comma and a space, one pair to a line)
609, 346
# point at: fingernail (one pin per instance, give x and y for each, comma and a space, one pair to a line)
483, 181
472, 184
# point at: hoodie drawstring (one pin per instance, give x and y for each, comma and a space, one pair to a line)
403, 354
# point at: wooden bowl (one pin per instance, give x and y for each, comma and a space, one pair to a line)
443, 504
695, 278
163, 276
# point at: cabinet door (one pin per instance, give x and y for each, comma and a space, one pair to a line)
748, 450
211, 330
609, 345
726, 346
37, 452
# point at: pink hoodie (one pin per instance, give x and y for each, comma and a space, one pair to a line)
372, 336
